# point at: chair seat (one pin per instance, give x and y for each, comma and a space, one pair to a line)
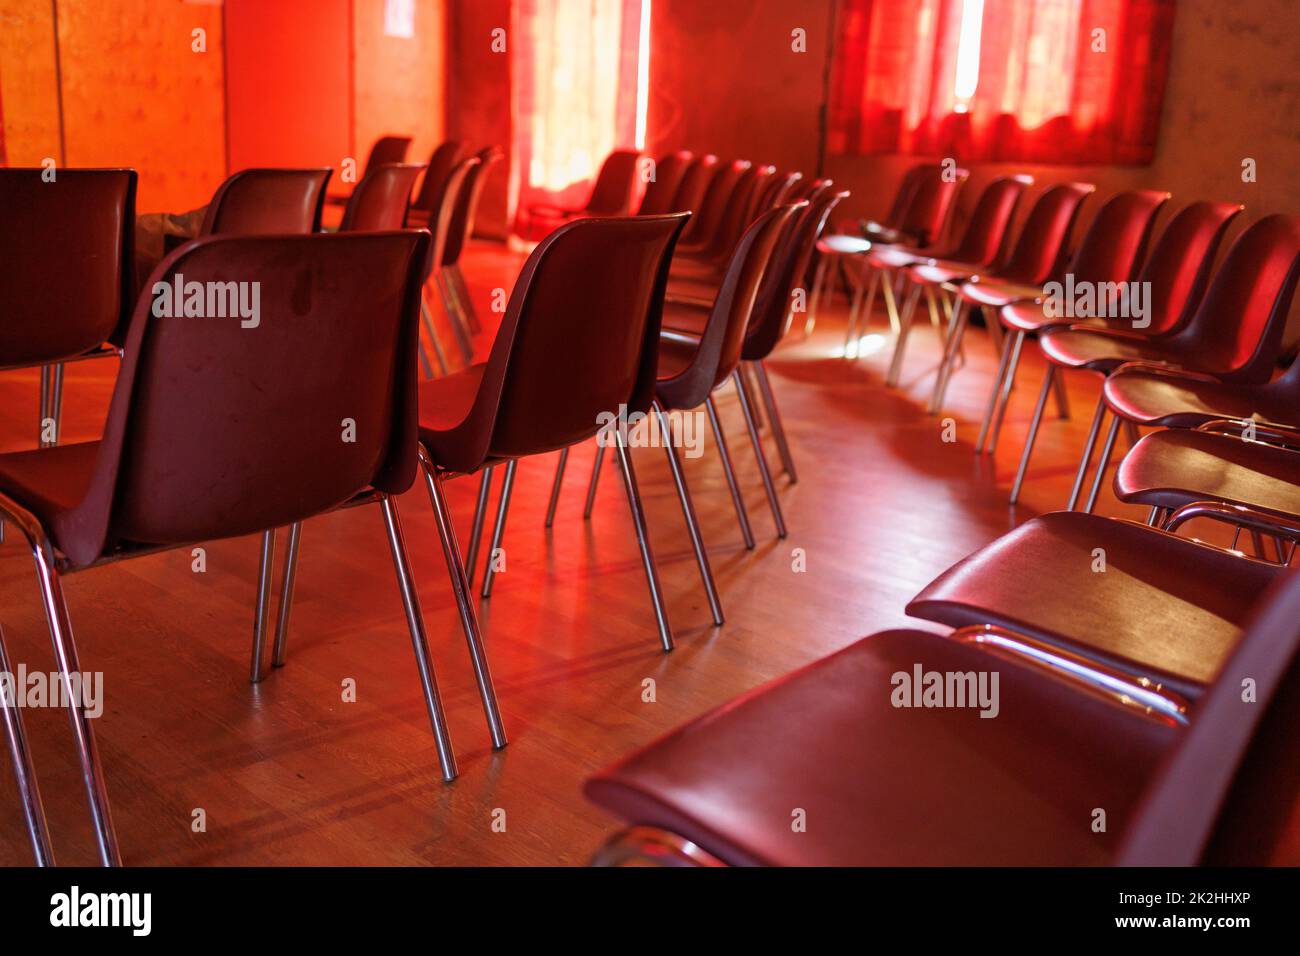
1165, 606
895, 257
840, 245
679, 317
444, 402
996, 293
1100, 350
1168, 401
675, 356
1169, 469
887, 786
941, 271
693, 284
50, 483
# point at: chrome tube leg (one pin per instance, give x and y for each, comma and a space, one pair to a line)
643, 540
595, 476
856, 310
454, 315
1153, 519
692, 523
736, 499
280, 648
56, 403
749, 394
995, 393
499, 529
1102, 462
957, 328
433, 339
419, 640
1062, 399
480, 515
815, 301
29, 791
1086, 459
262, 612
462, 293
555, 486
768, 486
65, 653
1033, 433
891, 304
45, 406
1001, 415
468, 619
904, 329
774, 416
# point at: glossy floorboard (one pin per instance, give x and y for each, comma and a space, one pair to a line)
288, 773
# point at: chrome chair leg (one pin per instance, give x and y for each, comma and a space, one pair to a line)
595, 477
499, 529
461, 588
891, 304
462, 293
692, 523
736, 499
774, 416
643, 540
457, 320
65, 653
262, 612
768, 486
1103, 461
851, 339
56, 403
419, 640
1033, 433
1000, 416
29, 791
433, 339
1062, 399
286, 596
1086, 458
815, 300
904, 329
45, 406
957, 328
480, 515
995, 392
555, 486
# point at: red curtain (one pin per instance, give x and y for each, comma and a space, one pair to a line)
1041, 81
577, 94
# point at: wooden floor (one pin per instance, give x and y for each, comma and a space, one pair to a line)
287, 773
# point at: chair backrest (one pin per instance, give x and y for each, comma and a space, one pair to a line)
380, 201
661, 189
985, 238
1236, 332
739, 212
691, 191
705, 221
933, 198
267, 202
1046, 234
1181, 261
442, 217
1112, 248
579, 338
903, 195
1228, 790
615, 184
67, 284
779, 191
292, 391
471, 190
773, 313
387, 150
441, 162
720, 344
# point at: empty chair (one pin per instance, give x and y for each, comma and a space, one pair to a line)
883, 780
611, 194
449, 278
1108, 256
695, 182
1175, 275
982, 246
442, 161
386, 150
265, 202
663, 186
68, 284
380, 201
708, 259
713, 204
1038, 253
1228, 350
232, 424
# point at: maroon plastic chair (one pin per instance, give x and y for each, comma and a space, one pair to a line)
559, 372
266, 202
708, 260
68, 283
1222, 358
1109, 253
611, 194
451, 283
195, 452
1176, 274
662, 190
380, 201
1038, 254
843, 741
695, 183
441, 162
982, 245
386, 151
931, 202
708, 212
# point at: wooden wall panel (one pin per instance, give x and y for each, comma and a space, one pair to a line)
28, 82
136, 94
